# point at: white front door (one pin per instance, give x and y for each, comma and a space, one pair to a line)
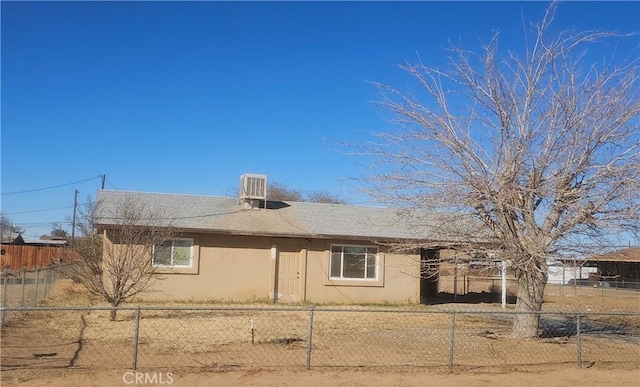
289, 276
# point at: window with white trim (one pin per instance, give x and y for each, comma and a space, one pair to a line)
176, 252
354, 262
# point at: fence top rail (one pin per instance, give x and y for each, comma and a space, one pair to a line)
6, 272
309, 309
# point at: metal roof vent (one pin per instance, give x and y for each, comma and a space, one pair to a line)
252, 189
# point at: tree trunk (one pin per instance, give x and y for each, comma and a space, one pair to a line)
112, 315
531, 285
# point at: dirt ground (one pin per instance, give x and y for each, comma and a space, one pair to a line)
349, 377
103, 359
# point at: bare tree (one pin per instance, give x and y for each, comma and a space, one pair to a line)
543, 147
58, 231
323, 197
280, 192
116, 264
8, 228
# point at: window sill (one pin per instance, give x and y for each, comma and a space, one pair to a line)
176, 270
353, 282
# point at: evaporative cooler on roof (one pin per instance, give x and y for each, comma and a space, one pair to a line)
253, 187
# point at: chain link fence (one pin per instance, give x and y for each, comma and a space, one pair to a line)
597, 295
215, 338
486, 285
25, 288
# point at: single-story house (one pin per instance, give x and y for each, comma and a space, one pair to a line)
618, 268
251, 249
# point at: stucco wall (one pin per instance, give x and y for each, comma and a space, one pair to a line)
240, 268
399, 283
230, 268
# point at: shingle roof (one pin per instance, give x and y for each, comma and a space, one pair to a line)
631, 254
293, 219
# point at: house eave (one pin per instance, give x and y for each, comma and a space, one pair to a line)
436, 243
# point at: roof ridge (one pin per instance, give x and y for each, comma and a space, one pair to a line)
234, 198
166, 194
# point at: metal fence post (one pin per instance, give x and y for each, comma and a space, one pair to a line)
49, 280
578, 341
46, 280
451, 340
4, 296
310, 338
24, 279
54, 274
136, 333
35, 294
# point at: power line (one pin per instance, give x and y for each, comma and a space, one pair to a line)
36, 224
52, 187
32, 211
111, 184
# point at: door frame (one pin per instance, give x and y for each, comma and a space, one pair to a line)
285, 246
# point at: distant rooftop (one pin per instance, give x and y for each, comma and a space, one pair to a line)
20, 239
631, 254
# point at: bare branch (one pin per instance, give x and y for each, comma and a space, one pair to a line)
115, 263
542, 147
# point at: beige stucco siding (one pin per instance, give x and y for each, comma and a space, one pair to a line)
398, 282
231, 268
242, 268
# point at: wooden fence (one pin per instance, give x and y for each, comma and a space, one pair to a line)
16, 257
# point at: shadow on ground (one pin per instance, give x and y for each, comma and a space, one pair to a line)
469, 298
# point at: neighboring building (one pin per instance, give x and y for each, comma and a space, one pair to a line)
251, 249
51, 240
13, 240
20, 254
618, 269
44, 240
570, 271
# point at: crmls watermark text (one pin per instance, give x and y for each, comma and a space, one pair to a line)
132, 377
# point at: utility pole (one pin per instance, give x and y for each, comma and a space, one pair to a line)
103, 179
73, 222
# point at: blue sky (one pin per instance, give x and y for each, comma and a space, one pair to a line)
185, 97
